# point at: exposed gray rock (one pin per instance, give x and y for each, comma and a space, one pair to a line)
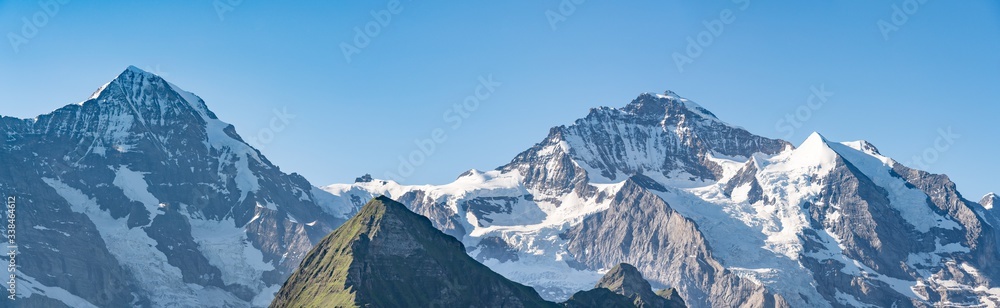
496, 248
746, 176
166, 172
980, 237
641, 229
667, 133
441, 216
839, 226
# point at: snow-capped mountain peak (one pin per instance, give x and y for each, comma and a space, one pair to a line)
668, 103
141, 88
813, 153
990, 200
664, 182
167, 205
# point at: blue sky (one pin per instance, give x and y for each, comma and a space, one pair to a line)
937, 69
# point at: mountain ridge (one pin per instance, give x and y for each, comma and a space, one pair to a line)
388, 256
807, 223
160, 195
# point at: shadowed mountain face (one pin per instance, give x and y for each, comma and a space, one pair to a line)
725, 217
625, 279
388, 256
624, 286
141, 196
640, 228
655, 134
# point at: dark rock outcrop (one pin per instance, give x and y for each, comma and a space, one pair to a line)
640, 228
625, 279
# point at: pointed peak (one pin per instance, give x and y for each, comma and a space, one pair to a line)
624, 277
623, 269
383, 204
815, 151
131, 76
382, 201
815, 137
133, 72
134, 76
815, 142
990, 200
669, 102
133, 68
626, 280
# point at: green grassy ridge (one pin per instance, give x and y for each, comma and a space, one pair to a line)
438, 271
388, 256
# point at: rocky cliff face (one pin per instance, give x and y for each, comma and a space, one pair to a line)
640, 228
726, 217
660, 134
388, 256
141, 196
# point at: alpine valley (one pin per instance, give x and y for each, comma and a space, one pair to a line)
142, 196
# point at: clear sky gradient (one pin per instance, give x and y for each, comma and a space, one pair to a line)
938, 68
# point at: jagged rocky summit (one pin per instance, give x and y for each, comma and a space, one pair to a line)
141, 196
727, 217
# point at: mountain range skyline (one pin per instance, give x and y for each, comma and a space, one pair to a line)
944, 139
146, 187
562, 153
938, 70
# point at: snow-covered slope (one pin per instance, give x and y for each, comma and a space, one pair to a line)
727, 217
141, 196
990, 201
